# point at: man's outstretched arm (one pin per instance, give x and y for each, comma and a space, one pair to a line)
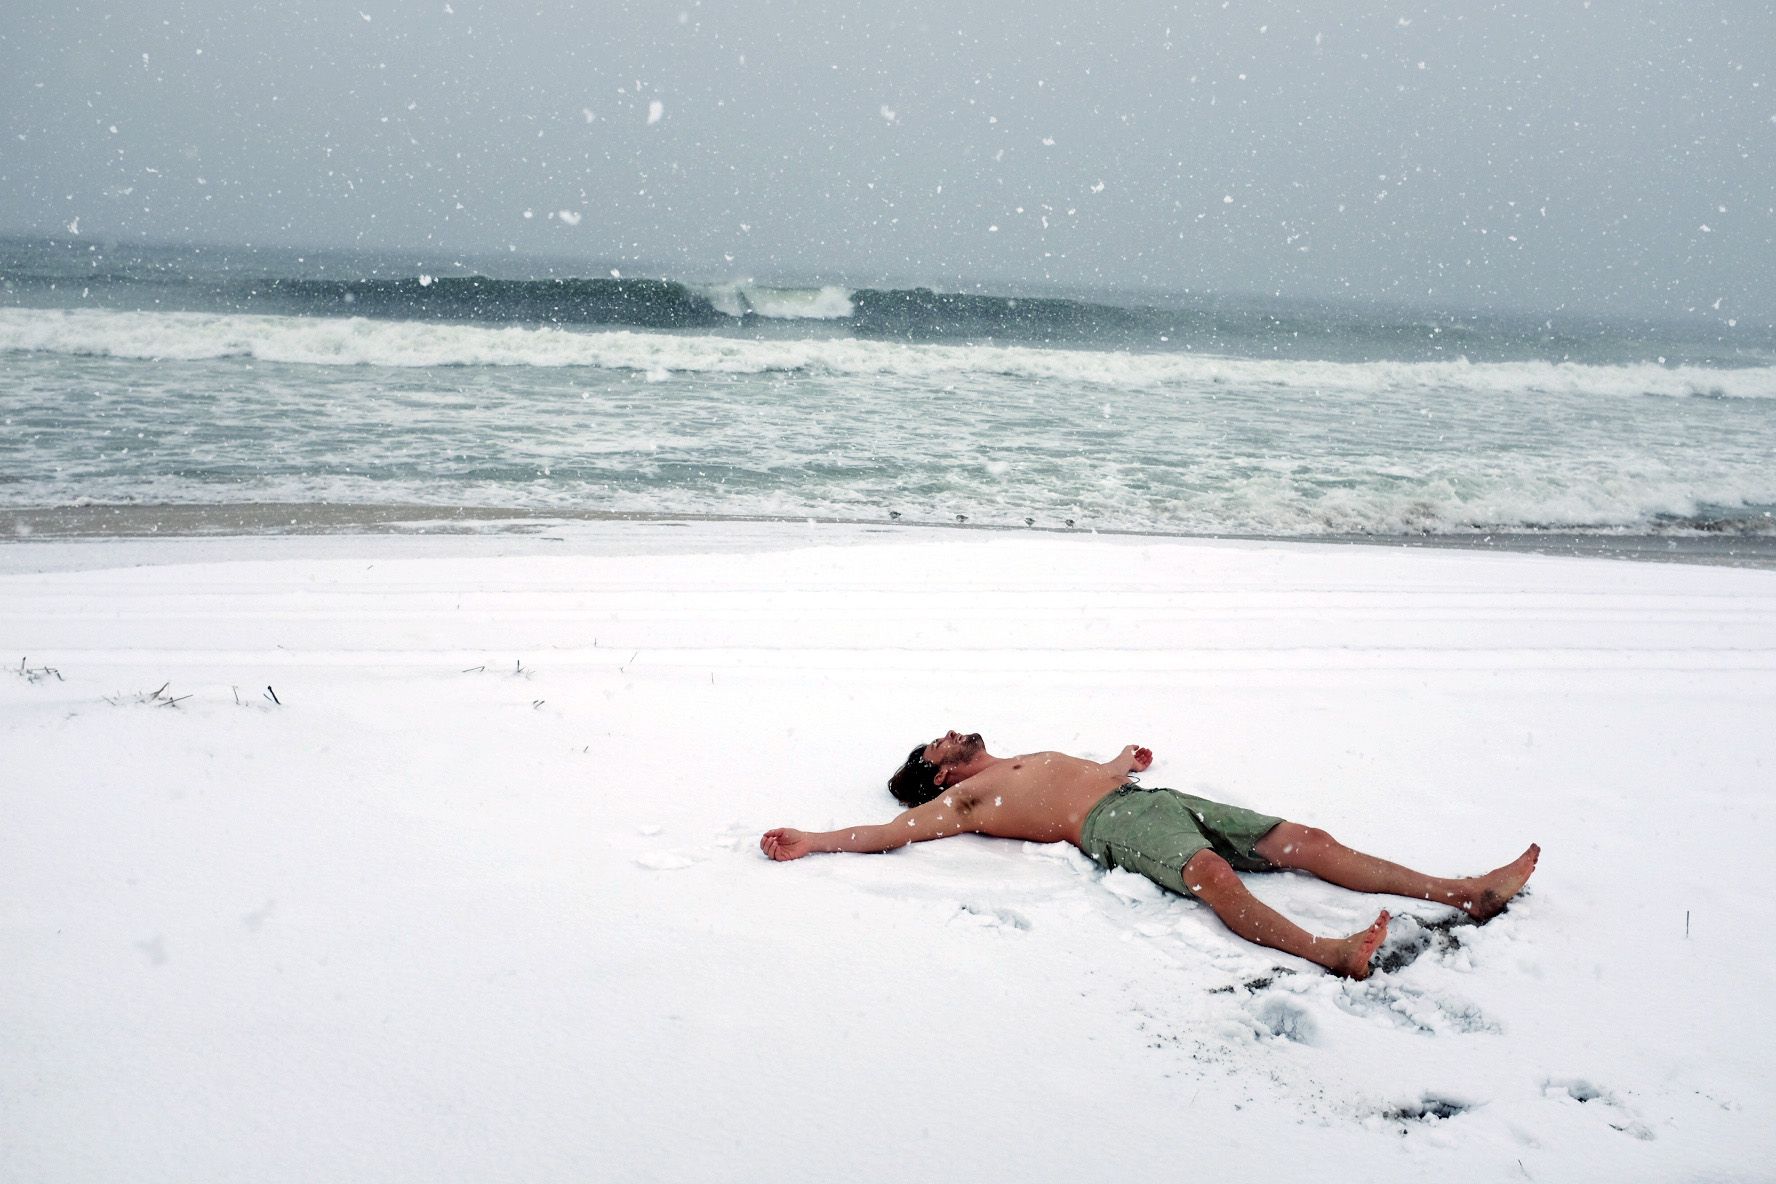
1132, 759
936, 819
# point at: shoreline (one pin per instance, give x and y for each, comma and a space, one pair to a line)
120, 521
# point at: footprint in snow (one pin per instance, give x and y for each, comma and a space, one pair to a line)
1612, 1109
1427, 1109
1282, 1018
1428, 1013
1254, 985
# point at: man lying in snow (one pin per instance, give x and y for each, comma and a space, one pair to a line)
1186, 844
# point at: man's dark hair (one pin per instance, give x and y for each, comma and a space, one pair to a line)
915, 782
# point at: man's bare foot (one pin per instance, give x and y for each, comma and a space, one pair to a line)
1353, 959
1494, 890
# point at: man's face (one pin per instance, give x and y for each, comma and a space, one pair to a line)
953, 748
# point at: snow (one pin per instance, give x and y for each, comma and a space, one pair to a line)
479, 896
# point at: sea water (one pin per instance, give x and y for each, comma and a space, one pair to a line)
199, 377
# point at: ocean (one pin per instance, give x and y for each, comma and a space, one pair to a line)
194, 382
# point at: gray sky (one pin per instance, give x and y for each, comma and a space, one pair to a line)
1543, 153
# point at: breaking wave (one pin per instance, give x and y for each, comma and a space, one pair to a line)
913, 314
360, 341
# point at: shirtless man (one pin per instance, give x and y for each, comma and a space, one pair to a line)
1186, 844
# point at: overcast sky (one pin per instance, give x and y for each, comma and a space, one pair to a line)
1543, 153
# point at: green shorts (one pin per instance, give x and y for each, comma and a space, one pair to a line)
1156, 832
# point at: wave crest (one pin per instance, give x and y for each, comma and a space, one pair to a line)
357, 341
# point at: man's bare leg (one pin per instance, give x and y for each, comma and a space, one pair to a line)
1311, 850
1210, 878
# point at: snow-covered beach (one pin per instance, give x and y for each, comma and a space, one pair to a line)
478, 895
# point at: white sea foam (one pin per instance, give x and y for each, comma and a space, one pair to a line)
329, 341
1525, 499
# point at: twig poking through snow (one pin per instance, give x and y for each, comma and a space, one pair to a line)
37, 674
155, 698
268, 696
519, 669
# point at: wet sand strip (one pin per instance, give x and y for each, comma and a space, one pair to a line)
133, 521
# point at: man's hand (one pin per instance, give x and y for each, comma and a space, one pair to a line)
785, 843
1137, 758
